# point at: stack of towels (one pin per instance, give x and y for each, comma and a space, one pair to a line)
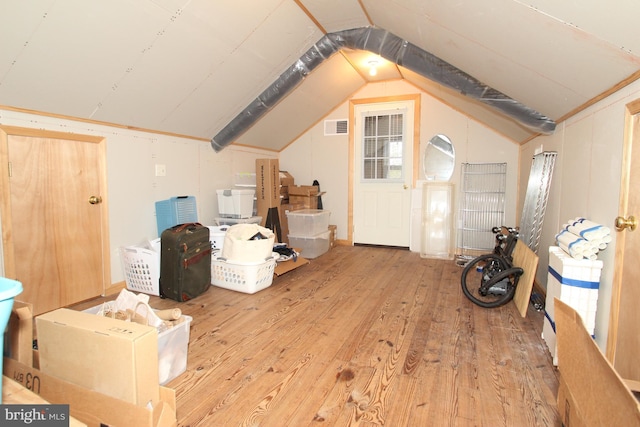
581, 238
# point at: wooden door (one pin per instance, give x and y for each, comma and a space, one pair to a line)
382, 183
623, 341
55, 239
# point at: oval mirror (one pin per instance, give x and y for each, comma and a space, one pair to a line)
439, 159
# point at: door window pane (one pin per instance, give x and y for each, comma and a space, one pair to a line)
383, 147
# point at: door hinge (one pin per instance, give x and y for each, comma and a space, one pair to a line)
10, 170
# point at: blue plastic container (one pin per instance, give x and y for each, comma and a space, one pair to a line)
174, 211
8, 291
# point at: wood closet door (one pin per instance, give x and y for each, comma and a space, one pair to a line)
55, 239
623, 341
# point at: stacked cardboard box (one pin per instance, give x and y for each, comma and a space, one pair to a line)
286, 181
333, 236
305, 195
268, 195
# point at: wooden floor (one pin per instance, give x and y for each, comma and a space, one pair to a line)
363, 336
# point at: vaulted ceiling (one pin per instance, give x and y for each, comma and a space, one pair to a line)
202, 68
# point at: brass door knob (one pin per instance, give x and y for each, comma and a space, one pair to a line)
621, 223
94, 200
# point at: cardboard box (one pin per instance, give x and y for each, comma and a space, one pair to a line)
20, 325
307, 202
88, 406
284, 224
267, 185
287, 266
303, 190
305, 195
286, 179
268, 195
173, 347
334, 235
590, 393
115, 358
91, 407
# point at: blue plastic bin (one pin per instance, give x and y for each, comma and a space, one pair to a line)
8, 291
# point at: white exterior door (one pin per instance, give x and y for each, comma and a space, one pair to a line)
383, 173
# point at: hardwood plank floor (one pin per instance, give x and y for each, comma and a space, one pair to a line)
363, 336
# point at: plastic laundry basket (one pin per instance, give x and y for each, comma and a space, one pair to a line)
8, 290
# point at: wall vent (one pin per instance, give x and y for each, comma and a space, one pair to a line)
336, 127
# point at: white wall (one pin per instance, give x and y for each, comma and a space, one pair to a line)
325, 158
193, 168
586, 183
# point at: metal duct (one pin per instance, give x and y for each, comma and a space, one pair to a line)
394, 49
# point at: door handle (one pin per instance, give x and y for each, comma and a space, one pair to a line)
621, 223
94, 200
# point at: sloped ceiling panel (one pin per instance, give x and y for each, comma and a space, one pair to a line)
164, 77
469, 107
23, 23
72, 57
610, 22
198, 66
183, 66
328, 86
336, 15
512, 47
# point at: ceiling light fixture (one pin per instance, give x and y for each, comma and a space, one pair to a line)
373, 67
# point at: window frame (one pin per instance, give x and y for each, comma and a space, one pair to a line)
391, 138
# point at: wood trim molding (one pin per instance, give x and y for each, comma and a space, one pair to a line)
98, 122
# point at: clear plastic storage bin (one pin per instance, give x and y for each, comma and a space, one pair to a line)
308, 222
235, 203
311, 246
